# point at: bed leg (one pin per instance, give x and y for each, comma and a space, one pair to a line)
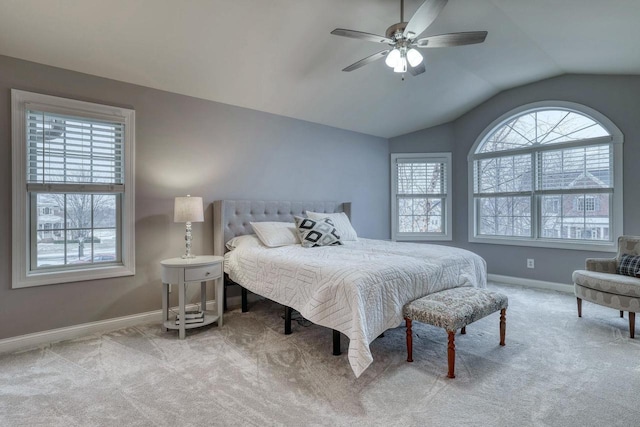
336, 343
287, 320
245, 308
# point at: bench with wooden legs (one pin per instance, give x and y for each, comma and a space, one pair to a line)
454, 309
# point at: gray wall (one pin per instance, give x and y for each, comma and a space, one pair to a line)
186, 146
617, 97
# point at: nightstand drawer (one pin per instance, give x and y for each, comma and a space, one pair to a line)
209, 272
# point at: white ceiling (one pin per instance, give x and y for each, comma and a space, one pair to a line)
278, 56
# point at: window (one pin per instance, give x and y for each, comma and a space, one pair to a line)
550, 175
421, 205
73, 185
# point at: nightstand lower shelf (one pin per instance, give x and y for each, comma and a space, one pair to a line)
210, 316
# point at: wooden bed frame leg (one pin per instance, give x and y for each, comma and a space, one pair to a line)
409, 340
621, 314
451, 354
503, 325
632, 324
245, 307
287, 320
336, 343
579, 306
463, 330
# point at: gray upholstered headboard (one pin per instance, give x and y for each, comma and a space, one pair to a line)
231, 218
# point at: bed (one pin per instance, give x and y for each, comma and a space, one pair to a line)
358, 288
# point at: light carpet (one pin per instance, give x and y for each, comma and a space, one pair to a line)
556, 370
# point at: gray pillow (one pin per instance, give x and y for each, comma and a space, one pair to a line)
317, 232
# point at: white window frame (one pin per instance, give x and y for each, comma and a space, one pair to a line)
446, 235
22, 275
616, 214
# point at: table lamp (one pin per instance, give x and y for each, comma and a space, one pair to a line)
188, 209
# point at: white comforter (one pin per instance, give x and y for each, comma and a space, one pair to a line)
358, 289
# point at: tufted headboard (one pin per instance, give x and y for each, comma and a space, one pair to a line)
231, 217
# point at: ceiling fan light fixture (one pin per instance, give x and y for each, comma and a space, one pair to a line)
414, 57
401, 66
393, 58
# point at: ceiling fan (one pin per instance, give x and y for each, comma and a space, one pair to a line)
403, 41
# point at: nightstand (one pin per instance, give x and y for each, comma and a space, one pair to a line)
182, 271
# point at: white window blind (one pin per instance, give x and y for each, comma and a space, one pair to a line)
67, 153
421, 177
577, 169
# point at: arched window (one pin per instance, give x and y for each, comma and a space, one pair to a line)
547, 174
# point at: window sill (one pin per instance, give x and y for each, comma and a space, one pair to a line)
67, 276
422, 238
541, 243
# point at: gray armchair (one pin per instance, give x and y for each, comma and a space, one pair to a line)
600, 284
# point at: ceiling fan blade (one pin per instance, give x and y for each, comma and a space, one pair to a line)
453, 39
361, 36
367, 60
419, 69
424, 16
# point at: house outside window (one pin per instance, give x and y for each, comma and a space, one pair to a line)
421, 196
73, 190
550, 175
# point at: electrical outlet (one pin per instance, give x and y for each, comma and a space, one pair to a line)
530, 263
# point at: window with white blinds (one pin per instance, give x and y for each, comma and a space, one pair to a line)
74, 190
548, 176
422, 201
76, 152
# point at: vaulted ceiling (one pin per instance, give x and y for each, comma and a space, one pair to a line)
278, 56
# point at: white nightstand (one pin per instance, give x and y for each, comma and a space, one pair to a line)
180, 272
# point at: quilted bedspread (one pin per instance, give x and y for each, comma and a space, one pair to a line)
359, 288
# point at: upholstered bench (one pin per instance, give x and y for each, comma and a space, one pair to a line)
454, 309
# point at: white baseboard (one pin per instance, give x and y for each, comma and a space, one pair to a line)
530, 283
30, 341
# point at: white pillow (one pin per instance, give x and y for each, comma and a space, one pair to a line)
340, 221
274, 234
248, 240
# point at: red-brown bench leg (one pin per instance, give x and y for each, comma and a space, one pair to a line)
409, 341
451, 354
503, 325
632, 324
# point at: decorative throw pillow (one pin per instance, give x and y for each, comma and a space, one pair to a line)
341, 221
317, 232
629, 265
274, 234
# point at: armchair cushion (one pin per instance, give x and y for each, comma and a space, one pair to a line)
609, 283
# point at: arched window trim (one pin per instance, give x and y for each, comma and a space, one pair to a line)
616, 137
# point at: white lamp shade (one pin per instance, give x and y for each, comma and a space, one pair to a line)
188, 209
414, 57
401, 66
392, 58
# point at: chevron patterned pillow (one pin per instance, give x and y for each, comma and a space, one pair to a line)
317, 232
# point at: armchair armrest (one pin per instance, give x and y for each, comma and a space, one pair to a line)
603, 265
